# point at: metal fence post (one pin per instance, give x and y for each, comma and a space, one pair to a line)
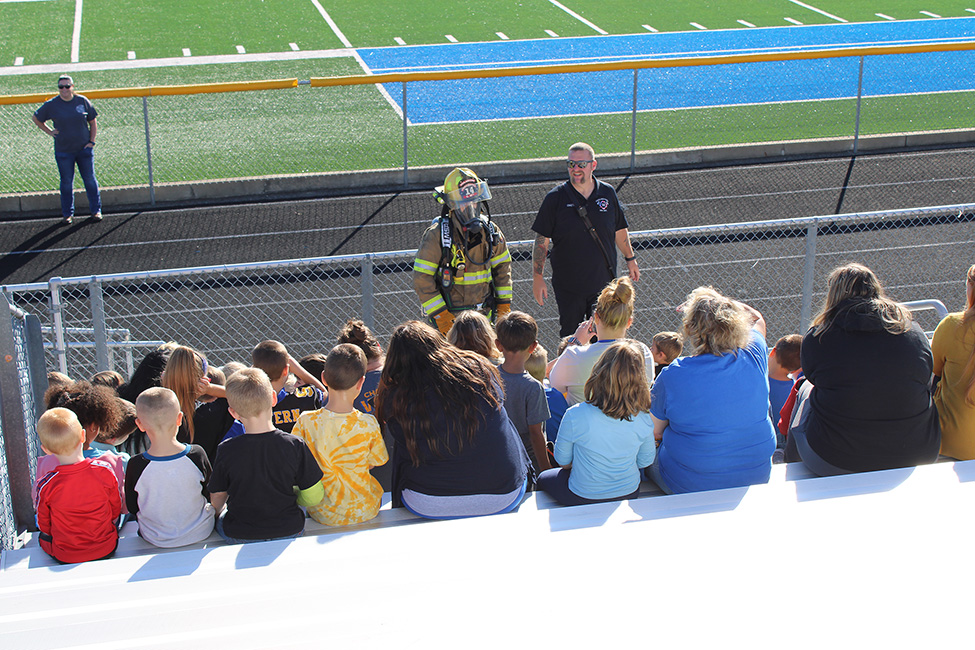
57, 321
98, 325
406, 176
366, 288
636, 73
15, 427
808, 277
856, 132
36, 363
145, 118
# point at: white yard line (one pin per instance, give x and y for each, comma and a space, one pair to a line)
884, 16
745, 23
502, 36
928, 13
578, 17
76, 32
331, 23
793, 21
450, 38
818, 11
971, 11
649, 29
551, 33
698, 26
257, 57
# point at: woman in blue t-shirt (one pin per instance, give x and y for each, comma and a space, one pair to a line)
710, 410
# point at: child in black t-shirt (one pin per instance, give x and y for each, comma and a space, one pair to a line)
266, 473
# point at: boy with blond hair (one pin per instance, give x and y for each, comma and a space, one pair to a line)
260, 471
166, 484
346, 443
665, 347
537, 366
78, 502
524, 396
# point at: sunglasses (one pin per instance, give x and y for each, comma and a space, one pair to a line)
63, 87
578, 163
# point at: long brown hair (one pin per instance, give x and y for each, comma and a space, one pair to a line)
184, 370
857, 281
618, 384
419, 361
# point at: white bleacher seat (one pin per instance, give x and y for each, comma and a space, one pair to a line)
873, 559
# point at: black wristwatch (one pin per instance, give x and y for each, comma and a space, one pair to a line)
629, 259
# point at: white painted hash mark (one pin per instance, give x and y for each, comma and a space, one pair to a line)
399, 41
130, 55
884, 16
186, 52
745, 23
502, 36
818, 11
19, 60
649, 29
241, 50
793, 21
294, 47
551, 33
928, 13
698, 26
450, 38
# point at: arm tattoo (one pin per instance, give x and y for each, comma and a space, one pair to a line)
539, 253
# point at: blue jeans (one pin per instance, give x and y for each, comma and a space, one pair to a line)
85, 160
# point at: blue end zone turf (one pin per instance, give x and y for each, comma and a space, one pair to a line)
670, 88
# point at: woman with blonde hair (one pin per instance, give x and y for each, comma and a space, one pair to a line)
456, 453
610, 321
710, 409
605, 441
867, 403
954, 361
204, 424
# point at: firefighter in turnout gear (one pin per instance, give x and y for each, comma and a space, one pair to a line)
463, 260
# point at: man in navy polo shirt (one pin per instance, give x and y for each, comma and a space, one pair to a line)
74, 134
581, 267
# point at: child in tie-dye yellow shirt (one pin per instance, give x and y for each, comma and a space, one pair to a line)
345, 442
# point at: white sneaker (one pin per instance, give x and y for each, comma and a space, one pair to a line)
97, 216
68, 220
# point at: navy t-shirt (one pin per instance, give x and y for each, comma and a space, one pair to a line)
577, 264
70, 119
259, 472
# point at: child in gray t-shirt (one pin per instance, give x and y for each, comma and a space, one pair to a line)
524, 396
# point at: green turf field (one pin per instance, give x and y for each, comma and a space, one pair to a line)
308, 130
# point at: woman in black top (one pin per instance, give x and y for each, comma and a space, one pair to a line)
456, 453
868, 367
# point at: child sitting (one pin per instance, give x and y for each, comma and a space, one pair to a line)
472, 331
166, 484
783, 360
604, 441
345, 442
537, 366
78, 502
665, 347
524, 396
273, 358
259, 470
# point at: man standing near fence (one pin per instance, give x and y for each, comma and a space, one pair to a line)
74, 135
583, 220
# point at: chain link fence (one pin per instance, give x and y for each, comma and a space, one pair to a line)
308, 129
777, 266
